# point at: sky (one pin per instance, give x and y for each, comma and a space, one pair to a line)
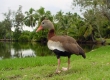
52, 5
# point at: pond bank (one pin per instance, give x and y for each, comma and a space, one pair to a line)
44, 40
31, 49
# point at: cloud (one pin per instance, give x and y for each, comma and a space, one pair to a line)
51, 5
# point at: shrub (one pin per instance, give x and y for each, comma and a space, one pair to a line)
24, 38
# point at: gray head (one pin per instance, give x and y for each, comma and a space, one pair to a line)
45, 24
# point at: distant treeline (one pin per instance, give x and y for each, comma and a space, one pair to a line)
94, 24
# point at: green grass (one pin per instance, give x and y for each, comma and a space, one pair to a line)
99, 40
108, 41
95, 67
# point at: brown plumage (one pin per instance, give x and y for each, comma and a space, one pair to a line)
69, 44
61, 45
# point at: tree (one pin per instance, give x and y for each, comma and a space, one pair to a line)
42, 14
30, 18
58, 18
2, 30
94, 23
68, 24
8, 22
18, 19
102, 5
18, 23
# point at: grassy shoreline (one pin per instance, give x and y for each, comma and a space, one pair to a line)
94, 67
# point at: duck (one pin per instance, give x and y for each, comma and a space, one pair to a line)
61, 45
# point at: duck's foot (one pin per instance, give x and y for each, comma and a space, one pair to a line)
57, 72
64, 69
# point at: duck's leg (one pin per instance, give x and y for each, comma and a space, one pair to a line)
65, 69
58, 67
68, 63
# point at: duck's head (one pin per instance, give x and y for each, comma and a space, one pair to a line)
45, 24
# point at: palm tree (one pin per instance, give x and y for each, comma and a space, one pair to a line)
68, 23
42, 14
59, 20
30, 19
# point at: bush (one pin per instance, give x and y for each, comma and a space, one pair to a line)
24, 38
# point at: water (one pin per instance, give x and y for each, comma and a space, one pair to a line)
22, 50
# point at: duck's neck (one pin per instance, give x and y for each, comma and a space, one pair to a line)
51, 33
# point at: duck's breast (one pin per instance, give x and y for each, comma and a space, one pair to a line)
55, 45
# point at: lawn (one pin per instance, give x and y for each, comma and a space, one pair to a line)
95, 67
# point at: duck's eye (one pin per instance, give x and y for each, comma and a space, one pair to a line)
43, 23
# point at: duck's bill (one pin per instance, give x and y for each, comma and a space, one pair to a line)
39, 28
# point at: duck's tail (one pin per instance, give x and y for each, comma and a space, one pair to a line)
81, 52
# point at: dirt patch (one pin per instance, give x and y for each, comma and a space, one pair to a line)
14, 77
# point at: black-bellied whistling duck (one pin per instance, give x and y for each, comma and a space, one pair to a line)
61, 45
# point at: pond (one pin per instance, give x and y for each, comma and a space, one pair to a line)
28, 49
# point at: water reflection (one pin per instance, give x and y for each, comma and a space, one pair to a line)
21, 50
89, 47
22, 53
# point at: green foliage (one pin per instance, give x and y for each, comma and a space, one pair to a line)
16, 34
33, 36
30, 19
70, 24
88, 31
18, 18
95, 23
5, 25
96, 14
23, 38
